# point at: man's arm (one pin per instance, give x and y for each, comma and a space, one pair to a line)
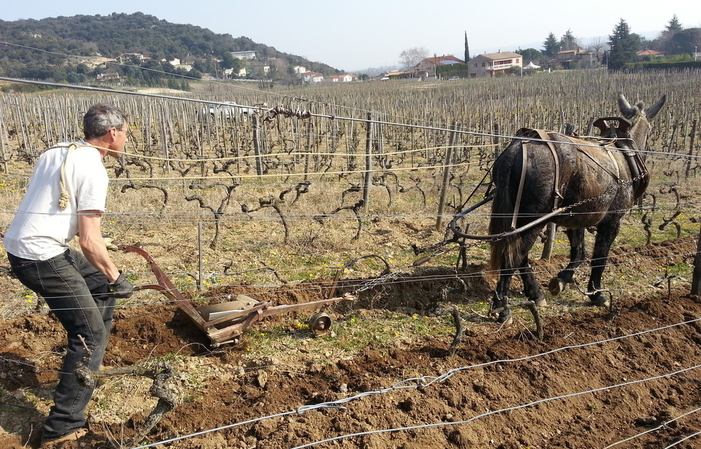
93, 245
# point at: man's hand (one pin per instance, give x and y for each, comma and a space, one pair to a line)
121, 288
109, 243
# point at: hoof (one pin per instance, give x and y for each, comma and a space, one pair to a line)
503, 315
599, 300
540, 302
556, 286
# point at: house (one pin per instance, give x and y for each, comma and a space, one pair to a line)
298, 69
244, 54
488, 65
108, 75
577, 59
312, 77
178, 64
347, 78
399, 75
230, 73
430, 65
650, 53
125, 58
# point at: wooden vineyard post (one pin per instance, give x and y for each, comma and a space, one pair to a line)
696, 280
199, 256
2, 143
256, 145
446, 174
691, 149
164, 146
368, 165
308, 152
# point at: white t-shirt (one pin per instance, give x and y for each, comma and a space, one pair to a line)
40, 229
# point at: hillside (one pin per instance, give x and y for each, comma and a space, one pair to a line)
75, 49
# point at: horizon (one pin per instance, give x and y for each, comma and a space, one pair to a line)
363, 40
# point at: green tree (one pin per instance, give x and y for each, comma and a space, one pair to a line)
467, 49
664, 40
685, 41
227, 60
673, 25
623, 46
529, 54
551, 46
568, 41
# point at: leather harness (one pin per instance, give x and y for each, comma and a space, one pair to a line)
640, 176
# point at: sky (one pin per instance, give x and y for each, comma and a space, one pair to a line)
359, 34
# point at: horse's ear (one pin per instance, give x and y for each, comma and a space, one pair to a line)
652, 111
626, 109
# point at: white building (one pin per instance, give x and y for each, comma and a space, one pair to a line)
488, 65
244, 54
347, 78
312, 77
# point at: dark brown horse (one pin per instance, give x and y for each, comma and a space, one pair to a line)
590, 186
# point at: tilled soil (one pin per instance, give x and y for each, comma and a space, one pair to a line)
596, 378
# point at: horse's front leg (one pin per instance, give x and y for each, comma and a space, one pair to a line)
577, 256
605, 235
500, 301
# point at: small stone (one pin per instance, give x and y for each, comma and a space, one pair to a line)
262, 379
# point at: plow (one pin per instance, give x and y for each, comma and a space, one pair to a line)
225, 323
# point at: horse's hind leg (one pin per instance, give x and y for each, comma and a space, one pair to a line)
531, 288
519, 261
577, 256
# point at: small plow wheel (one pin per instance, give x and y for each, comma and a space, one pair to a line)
320, 323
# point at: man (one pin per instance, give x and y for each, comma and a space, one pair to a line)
66, 197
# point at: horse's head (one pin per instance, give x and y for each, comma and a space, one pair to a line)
639, 118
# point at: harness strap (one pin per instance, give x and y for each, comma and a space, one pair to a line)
615, 163
544, 135
521, 182
640, 176
65, 197
615, 176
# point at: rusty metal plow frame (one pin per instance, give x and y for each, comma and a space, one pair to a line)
229, 326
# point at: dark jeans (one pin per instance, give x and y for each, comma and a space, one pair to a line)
75, 291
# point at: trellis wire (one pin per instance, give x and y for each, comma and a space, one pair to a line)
695, 434
664, 424
426, 381
362, 284
495, 412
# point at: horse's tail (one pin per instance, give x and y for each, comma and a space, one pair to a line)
504, 251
